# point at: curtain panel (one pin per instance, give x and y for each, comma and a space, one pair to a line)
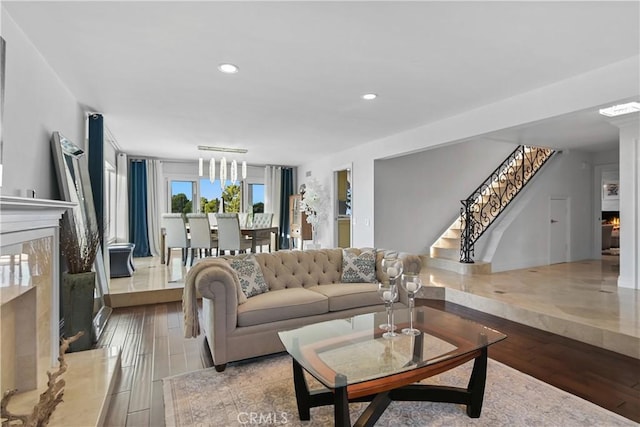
138, 227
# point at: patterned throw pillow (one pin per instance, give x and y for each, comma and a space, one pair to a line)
251, 279
358, 268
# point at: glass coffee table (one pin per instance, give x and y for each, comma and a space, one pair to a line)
355, 363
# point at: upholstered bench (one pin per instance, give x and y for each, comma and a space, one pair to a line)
121, 259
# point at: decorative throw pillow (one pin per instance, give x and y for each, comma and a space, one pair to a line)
358, 268
250, 275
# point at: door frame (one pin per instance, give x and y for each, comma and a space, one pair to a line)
567, 219
334, 202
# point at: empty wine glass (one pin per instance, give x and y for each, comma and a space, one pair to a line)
389, 294
411, 283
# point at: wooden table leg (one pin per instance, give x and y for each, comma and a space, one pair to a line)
302, 392
476, 384
341, 408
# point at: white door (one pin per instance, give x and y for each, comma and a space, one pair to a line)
558, 231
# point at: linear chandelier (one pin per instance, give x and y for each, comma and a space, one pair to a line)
223, 165
222, 149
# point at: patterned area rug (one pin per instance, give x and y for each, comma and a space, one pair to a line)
260, 392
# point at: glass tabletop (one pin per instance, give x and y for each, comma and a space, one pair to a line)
348, 351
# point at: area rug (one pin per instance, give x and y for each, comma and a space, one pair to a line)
260, 392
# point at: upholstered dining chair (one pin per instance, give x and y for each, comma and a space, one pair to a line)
262, 220
213, 222
175, 234
244, 219
201, 237
230, 237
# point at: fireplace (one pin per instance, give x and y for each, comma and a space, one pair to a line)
29, 290
611, 217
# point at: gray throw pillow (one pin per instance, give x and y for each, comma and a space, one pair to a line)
358, 268
250, 275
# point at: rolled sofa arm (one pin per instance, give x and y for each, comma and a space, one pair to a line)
216, 281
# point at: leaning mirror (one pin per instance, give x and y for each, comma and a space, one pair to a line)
75, 186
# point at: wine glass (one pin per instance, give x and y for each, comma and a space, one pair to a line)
411, 283
392, 267
389, 294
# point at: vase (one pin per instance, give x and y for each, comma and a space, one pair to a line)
77, 298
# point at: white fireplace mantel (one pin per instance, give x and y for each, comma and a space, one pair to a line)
21, 214
29, 289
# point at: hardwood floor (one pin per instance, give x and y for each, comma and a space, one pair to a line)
608, 379
153, 347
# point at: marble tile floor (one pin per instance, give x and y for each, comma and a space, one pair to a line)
579, 300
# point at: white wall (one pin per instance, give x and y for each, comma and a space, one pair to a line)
598, 87
36, 104
525, 233
418, 196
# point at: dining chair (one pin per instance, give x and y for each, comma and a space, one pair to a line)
262, 220
230, 237
213, 222
244, 219
201, 236
175, 234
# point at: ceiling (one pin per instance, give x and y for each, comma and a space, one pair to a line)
151, 68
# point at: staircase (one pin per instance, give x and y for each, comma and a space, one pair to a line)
454, 249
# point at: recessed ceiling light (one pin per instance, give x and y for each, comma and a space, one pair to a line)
369, 96
228, 68
618, 110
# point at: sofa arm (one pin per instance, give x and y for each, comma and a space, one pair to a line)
218, 282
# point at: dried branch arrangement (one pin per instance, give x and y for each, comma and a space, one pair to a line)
79, 247
49, 399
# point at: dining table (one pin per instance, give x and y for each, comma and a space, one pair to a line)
251, 232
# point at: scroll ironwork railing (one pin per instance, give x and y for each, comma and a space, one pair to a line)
489, 200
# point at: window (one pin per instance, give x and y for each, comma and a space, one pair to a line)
211, 195
182, 195
110, 199
256, 197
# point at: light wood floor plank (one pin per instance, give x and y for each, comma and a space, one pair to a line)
161, 322
156, 413
161, 358
138, 419
177, 363
125, 379
118, 408
141, 386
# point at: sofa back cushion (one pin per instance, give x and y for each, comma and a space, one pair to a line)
295, 269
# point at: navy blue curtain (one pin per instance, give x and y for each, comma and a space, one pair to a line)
138, 227
96, 167
286, 190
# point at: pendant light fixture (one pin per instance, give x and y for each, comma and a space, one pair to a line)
234, 172
223, 165
223, 172
212, 170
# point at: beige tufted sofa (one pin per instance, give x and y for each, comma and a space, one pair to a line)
304, 287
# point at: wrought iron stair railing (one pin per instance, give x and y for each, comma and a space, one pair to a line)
490, 199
